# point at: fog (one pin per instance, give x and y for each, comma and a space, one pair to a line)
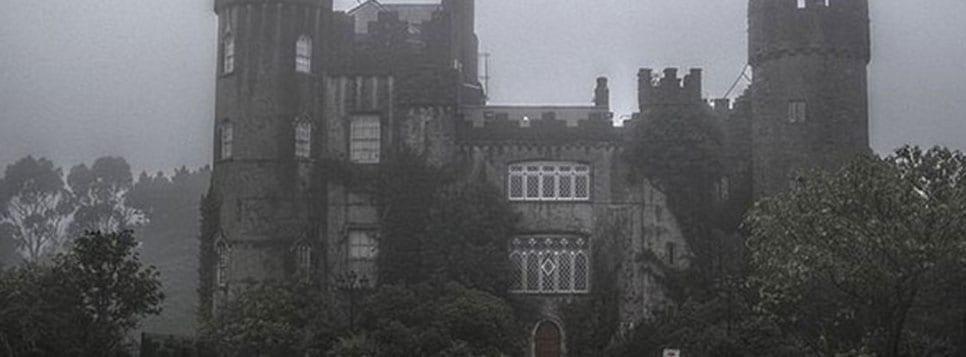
135, 78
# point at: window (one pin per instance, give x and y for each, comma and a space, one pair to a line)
723, 188
228, 46
670, 252
303, 54
549, 181
549, 265
303, 138
223, 254
365, 139
363, 250
797, 112
303, 258
227, 139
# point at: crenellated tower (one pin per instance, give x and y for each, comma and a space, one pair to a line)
272, 59
809, 94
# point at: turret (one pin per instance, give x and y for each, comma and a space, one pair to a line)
809, 94
268, 124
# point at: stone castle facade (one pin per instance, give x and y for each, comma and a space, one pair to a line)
300, 84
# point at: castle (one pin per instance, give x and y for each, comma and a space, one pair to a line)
300, 84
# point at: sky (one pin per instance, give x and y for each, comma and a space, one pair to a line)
135, 78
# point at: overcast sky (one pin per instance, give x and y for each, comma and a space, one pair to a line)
86, 78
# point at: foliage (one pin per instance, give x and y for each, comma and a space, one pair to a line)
170, 242
275, 318
83, 304
99, 194
870, 258
34, 207
433, 320
210, 207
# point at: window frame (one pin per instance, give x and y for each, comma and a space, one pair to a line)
303, 54
222, 263
303, 129
545, 181
228, 54
365, 139
370, 272
797, 111
537, 262
226, 140
303, 258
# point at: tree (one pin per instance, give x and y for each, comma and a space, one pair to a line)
83, 304
100, 196
869, 259
35, 207
275, 318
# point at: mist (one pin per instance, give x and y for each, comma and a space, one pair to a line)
83, 79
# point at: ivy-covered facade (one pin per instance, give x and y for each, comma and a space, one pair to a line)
311, 104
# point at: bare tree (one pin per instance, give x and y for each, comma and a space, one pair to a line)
36, 208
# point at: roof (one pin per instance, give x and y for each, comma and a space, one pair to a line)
413, 13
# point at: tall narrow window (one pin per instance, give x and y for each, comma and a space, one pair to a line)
228, 55
303, 54
549, 265
365, 139
363, 250
227, 140
548, 181
222, 253
303, 138
303, 258
797, 111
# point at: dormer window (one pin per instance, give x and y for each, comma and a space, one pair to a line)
227, 136
303, 138
228, 55
549, 181
303, 55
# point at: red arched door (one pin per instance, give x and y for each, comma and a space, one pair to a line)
547, 340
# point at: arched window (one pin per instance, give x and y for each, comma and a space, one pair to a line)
303, 138
228, 55
303, 257
227, 136
223, 256
549, 181
303, 54
549, 265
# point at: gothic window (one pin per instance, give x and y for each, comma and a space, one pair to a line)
670, 250
227, 136
303, 258
548, 181
228, 55
363, 250
365, 139
797, 111
303, 54
223, 254
549, 265
303, 138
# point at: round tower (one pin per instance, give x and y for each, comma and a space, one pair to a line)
268, 125
809, 94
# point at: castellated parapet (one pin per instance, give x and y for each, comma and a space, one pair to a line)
778, 28
668, 89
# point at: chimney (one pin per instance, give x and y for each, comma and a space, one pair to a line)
602, 93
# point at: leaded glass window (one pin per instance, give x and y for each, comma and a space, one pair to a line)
303, 138
303, 54
303, 257
228, 55
365, 139
223, 255
363, 250
549, 181
227, 139
550, 265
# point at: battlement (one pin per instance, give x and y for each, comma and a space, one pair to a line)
324, 4
538, 123
668, 89
779, 28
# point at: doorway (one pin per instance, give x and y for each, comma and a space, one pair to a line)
547, 340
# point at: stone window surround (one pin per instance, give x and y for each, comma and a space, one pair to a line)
303, 54
528, 181
537, 261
